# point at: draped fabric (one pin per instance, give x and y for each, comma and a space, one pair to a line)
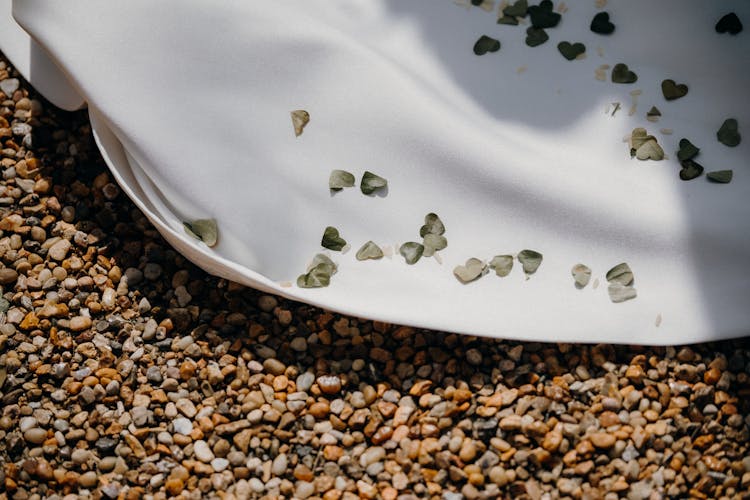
517, 149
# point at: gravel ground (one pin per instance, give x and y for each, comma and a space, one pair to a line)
126, 372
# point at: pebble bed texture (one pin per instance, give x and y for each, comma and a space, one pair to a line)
127, 372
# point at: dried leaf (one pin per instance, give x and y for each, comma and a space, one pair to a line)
687, 150
571, 50
535, 36
486, 44
203, 229
340, 179
331, 239
672, 90
581, 275
472, 270
371, 183
690, 170
622, 74
369, 250
502, 264
411, 251
620, 293
432, 225
530, 260
300, 118
621, 274
729, 134
720, 176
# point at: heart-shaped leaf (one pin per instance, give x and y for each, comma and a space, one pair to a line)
720, 176
621, 274
300, 118
571, 50
369, 250
601, 24
690, 170
473, 269
518, 9
502, 264
729, 134
542, 15
432, 225
535, 36
530, 260
331, 239
622, 74
509, 20
581, 275
203, 229
729, 23
371, 183
672, 90
340, 179
687, 150
620, 293
432, 243
318, 274
411, 251
486, 44
650, 150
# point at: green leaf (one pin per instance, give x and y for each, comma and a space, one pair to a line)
371, 183
622, 74
322, 258
621, 274
687, 150
204, 230
472, 270
720, 176
535, 36
530, 260
486, 44
432, 225
620, 293
411, 251
502, 264
435, 241
331, 239
672, 90
369, 250
571, 50
300, 119
340, 179
729, 134
518, 9
542, 15
581, 275
690, 170
319, 273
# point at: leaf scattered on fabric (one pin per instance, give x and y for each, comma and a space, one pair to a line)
720, 176
690, 170
319, 273
432, 243
432, 225
371, 183
369, 250
687, 150
653, 114
204, 230
535, 36
411, 251
571, 51
601, 24
509, 20
331, 239
672, 90
650, 150
300, 119
581, 275
502, 265
518, 9
543, 16
621, 274
729, 23
473, 269
729, 134
622, 74
340, 179
530, 260
620, 293
486, 44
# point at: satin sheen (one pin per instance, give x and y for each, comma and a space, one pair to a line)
190, 105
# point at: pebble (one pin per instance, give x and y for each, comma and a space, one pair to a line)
202, 451
59, 250
182, 426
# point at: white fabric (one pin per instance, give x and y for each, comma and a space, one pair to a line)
190, 105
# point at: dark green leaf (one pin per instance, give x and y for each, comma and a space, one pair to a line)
720, 176
371, 183
331, 239
411, 251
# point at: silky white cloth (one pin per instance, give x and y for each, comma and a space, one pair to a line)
190, 105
